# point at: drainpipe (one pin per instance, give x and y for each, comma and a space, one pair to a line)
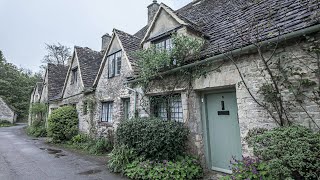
243, 50
135, 100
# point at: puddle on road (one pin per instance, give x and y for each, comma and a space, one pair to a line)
93, 171
57, 152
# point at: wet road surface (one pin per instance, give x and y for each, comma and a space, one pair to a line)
24, 158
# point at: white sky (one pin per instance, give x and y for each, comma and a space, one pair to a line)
26, 25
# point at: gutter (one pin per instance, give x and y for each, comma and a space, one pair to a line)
243, 50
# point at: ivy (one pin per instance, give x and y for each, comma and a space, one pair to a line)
152, 61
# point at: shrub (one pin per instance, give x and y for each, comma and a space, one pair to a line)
183, 168
100, 146
37, 129
153, 138
248, 168
5, 123
93, 146
63, 124
290, 152
120, 157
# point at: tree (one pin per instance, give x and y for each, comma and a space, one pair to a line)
57, 54
16, 85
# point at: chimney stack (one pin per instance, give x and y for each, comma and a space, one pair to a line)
152, 10
105, 41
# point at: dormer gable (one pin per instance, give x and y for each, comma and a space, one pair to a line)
73, 82
164, 21
118, 58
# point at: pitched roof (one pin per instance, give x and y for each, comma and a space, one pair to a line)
56, 78
89, 62
129, 42
140, 34
232, 24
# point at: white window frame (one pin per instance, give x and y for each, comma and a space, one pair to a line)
114, 64
170, 108
74, 75
106, 112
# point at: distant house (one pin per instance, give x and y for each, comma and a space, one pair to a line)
35, 98
6, 112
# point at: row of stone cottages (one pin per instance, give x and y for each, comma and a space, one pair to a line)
218, 110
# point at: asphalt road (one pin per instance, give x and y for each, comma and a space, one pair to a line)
24, 158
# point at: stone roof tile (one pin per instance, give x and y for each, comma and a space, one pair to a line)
89, 62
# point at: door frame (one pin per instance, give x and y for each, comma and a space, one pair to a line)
204, 119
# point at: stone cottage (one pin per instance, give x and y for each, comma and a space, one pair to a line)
6, 112
35, 98
115, 101
77, 86
53, 82
218, 109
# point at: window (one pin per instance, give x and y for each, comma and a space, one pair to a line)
114, 64
106, 112
85, 108
164, 44
126, 108
168, 107
74, 75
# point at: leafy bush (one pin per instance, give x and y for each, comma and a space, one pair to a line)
5, 123
100, 146
249, 168
93, 146
120, 157
290, 152
63, 124
153, 138
37, 129
182, 168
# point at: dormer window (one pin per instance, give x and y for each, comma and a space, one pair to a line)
164, 44
114, 64
74, 75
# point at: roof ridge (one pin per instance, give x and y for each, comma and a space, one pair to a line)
127, 33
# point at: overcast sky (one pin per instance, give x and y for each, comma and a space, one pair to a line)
26, 25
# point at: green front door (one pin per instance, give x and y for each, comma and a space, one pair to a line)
223, 130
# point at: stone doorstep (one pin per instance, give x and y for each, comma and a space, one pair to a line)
212, 175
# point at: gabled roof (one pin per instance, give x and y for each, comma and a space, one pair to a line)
171, 13
129, 44
89, 63
56, 77
140, 34
13, 109
227, 23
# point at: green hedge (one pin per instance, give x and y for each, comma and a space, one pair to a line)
96, 146
153, 138
182, 168
63, 124
290, 152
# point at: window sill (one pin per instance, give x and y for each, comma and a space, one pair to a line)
106, 124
